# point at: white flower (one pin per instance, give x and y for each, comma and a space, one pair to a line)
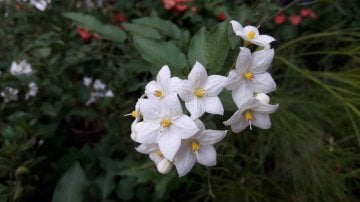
163, 86
33, 90
163, 165
98, 85
136, 114
109, 93
164, 123
200, 92
250, 76
87, 81
198, 148
41, 5
253, 112
21, 68
251, 34
10, 94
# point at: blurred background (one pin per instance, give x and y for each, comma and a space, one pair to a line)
71, 70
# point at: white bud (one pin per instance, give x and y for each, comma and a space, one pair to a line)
263, 98
133, 136
164, 166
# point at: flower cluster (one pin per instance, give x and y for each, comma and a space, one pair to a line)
99, 89
19, 69
173, 138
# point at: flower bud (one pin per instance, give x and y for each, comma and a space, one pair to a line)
164, 166
263, 98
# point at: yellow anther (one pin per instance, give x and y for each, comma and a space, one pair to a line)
248, 75
159, 93
134, 114
248, 116
251, 35
159, 153
199, 92
195, 146
165, 123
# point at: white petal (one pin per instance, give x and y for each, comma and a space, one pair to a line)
236, 26
210, 137
214, 85
240, 125
147, 132
184, 161
199, 124
172, 85
263, 83
150, 109
262, 60
171, 106
213, 105
169, 144
147, 148
266, 38
163, 76
233, 80
155, 157
185, 91
243, 60
261, 120
184, 126
243, 93
207, 155
195, 108
198, 75
150, 88
265, 108
263, 98
234, 118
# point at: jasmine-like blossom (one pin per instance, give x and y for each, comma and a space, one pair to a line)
263, 98
200, 92
21, 68
163, 165
136, 114
251, 113
10, 94
99, 90
33, 90
199, 148
250, 76
250, 34
164, 124
163, 86
41, 5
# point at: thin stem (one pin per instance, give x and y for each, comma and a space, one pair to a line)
277, 13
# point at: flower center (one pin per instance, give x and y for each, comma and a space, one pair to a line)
159, 153
248, 116
134, 114
195, 146
248, 75
199, 92
159, 93
251, 35
165, 123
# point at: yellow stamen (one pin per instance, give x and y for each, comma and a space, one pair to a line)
248, 75
251, 35
165, 123
134, 114
195, 146
199, 92
248, 116
159, 93
159, 153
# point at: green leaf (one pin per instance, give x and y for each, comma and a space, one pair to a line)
210, 48
109, 32
198, 48
139, 30
160, 53
70, 186
165, 27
